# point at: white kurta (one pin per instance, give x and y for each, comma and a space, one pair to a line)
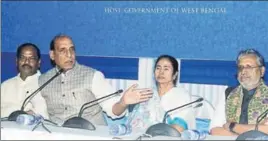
14, 91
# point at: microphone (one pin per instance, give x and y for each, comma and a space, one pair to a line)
255, 134
13, 116
171, 110
198, 105
79, 122
163, 129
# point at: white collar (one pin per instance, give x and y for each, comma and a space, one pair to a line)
28, 78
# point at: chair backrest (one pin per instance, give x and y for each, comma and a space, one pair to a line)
228, 91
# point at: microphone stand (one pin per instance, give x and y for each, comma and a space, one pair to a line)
13, 116
260, 118
165, 116
82, 108
163, 129
79, 122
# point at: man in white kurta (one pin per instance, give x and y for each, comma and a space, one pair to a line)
15, 90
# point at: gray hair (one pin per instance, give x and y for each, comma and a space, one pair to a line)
260, 59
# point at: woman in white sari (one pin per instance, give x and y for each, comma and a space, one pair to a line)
166, 96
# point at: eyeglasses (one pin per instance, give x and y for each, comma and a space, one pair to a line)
31, 59
247, 68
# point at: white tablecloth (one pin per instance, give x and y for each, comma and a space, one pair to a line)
14, 131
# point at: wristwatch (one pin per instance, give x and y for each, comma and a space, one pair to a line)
231, 127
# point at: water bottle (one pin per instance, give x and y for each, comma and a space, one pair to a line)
120, 129
26, 119
194, 135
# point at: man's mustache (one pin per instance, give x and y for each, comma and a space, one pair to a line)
26, 65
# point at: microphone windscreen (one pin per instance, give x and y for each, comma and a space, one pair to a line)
199, 99
61, 70
198, 105
119, 91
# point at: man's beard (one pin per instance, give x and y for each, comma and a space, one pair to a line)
250, 85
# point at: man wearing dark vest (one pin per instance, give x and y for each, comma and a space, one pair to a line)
79, 84
249, 100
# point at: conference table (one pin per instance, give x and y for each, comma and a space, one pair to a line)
11, 130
